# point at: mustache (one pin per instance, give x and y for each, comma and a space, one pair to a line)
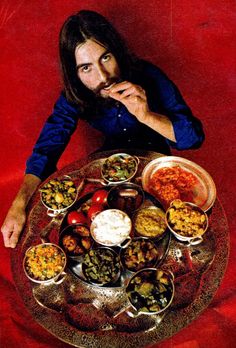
106, 84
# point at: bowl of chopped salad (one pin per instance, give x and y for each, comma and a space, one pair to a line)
45, 263
119, 168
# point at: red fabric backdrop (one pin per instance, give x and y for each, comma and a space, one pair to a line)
193, 43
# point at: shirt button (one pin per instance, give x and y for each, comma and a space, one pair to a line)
129, 140
124, 129
119, 115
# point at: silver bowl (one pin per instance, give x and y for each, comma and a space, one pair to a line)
92, 270
127, 162
157, 283
33, 263
193, 220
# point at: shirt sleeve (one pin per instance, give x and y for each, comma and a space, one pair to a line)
168, 100
187, 128
53, 139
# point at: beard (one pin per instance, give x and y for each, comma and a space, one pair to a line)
105, 101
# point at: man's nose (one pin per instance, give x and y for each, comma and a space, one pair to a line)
102, 74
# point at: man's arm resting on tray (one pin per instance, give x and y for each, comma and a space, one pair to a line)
16, 216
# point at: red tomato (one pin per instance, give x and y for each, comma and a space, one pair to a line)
75, 217
94, 210
100, 196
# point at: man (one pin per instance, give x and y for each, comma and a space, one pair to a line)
131, 101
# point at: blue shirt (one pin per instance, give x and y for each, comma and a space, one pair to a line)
121, 129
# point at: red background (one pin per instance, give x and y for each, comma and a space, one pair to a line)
192, 41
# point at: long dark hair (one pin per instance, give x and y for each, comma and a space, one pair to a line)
77, 29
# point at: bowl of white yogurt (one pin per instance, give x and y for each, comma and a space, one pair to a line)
111, 227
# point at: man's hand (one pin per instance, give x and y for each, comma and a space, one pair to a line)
133, 97
135, 100
13, 225
16, 216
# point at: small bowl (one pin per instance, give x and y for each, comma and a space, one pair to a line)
150, 291
58, 195
101, 266
127, 197
75, 240
111, 227
140, 253
187, 221
149, 222
39, 271
119, 168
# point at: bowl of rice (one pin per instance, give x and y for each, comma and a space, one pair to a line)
111, 227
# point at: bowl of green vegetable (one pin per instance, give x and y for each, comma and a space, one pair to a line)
150, 291
101, 266
58, 195
119, 168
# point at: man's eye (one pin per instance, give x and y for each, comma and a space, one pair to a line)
106, 57
85, 68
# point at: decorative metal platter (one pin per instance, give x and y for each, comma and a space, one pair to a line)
83, 315
203, 193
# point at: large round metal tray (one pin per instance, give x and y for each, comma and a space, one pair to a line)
83, 315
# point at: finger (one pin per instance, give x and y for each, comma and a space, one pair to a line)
14, 239
116, 96
129, 92
6, 233
119, 87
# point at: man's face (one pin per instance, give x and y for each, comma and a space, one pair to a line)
96, 67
